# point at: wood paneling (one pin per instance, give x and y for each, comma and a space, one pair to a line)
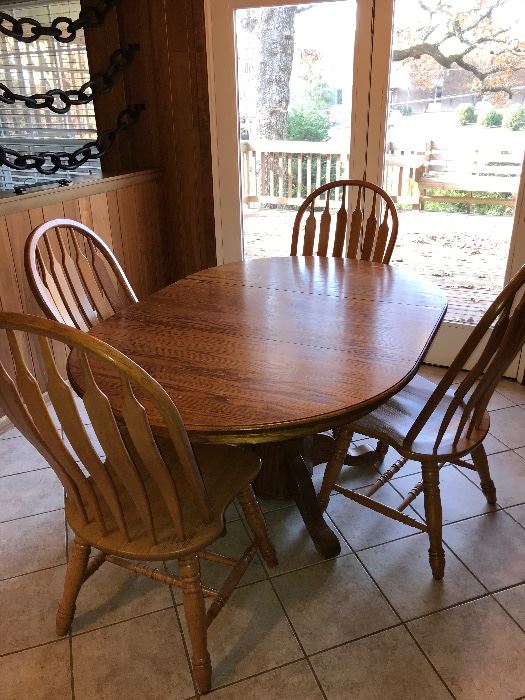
116, 208
168, 76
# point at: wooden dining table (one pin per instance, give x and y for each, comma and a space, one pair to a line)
270, 352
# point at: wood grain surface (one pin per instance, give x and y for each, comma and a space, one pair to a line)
277, 348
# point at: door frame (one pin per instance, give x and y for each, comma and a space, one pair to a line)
371, 52
371, 68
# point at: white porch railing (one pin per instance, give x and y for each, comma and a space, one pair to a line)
285, 172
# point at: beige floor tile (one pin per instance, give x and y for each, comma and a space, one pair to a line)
33, 543
518, 513
386, 665
432, 372
270, 504
492, 445
29, 494
508, 472
363, 527
232, 513
233, 544
251, 635
43, 673
293, 681
402, 572
8, 431
477, 649
459, 497
492, 546
29, 605
141, 658
508, 426
513, 600
355, 477
498, 401
293, 544
113, 594
512, 390
17, 455
332, 602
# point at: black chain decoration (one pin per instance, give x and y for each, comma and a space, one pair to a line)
99, 83
92, 150
63, 29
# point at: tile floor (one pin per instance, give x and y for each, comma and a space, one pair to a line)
369, 624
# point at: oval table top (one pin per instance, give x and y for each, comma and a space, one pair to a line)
277, 348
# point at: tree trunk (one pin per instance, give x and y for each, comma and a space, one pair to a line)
276, 35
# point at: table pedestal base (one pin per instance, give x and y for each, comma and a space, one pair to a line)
287, 471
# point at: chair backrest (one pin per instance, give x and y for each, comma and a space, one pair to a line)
99, 499
373, 222
505, 321
74, 276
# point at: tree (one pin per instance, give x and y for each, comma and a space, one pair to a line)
272, 32
472, 38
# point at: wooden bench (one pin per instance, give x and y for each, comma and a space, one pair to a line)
470, 170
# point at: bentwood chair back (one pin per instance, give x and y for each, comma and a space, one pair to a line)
148, 498
73, 274
444, 423
373, 222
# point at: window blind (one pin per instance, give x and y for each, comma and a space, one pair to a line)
36, 67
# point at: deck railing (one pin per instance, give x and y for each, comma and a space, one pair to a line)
285, 172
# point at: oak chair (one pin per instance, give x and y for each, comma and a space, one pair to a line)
150, 499
441, 424
73, 274
374, 225
373, 222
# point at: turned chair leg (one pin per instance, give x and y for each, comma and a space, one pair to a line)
75, 575
334, 465
479, 457
432, 497
195, 613
255, 518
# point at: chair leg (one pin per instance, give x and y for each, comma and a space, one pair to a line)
195, 613
436, 553
255, 518
479, 457
335, 464
75, 575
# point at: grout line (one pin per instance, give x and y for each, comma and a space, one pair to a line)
184, 643
295, 634
407, 629
71, 668
493, 596
28, 471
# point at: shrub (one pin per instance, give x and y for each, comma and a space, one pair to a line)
307, 124
492, 118
515, 119
467, 115
406, 110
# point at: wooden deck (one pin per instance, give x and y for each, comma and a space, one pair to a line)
464, 254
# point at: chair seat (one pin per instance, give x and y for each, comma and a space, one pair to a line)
225, 470
392, 421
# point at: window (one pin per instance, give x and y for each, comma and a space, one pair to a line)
35, 68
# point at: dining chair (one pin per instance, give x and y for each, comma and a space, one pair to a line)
373, 222
74, 275
443, 423
150, 498
372, 236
